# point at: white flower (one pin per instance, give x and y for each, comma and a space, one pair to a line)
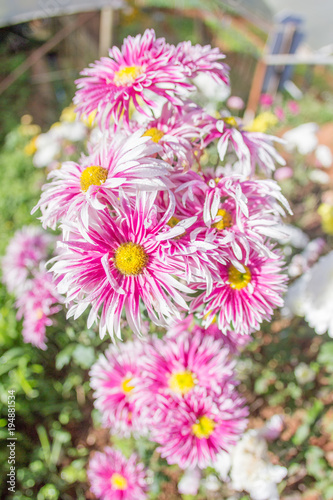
324, 155
311, 296
319, 296
211, 483
304, 374
190, 482
302, 138
251, 470
272, 428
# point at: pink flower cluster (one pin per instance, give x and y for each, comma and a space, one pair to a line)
144, 228
179, 390
24, 274
147, 232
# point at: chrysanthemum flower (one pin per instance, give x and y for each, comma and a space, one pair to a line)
178, 133
251, 148
114, 477
177, 366
28, 247
194, 431
246, 295
36, 305
196, 59
143, 64
230, 340
243, 212
119, 161
119, 260
112, 378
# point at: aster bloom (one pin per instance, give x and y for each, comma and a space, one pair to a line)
112, 378
251, 148
180, 365
199, 427
143, 64
178, 133
36, 305
28, 247
114, 477
196, 59
230, 340
244, 296
119, 260
95, 181
243, 212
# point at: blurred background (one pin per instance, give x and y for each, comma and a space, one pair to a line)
281, 57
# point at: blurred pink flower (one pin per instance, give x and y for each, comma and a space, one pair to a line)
266, 100
283, 173
112, 378
36, 305
293, 107
114, 477
235, 102
279, 113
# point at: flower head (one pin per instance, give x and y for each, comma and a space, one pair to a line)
119, 161
112, 378
194, 431
28, 247
176, 366
144, 67
119, 261
245, 295
114, 477
36, 305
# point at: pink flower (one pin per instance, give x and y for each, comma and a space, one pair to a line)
251, 148
279, 113
196, 59
243, 212
176, 366
119, 260
201, 425
36, 305
293, 107
235, 102
231, 340
28, 247
266, 100
114, 477
112, 377
143, 64
245, 295
283, 173
177, 131
120, 161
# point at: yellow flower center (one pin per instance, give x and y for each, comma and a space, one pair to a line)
39, 313
204, 427
126, 76
118, 482
182, 382
173, 221
93, 176
130, 259
126, 385
154, 133
230, 120
207, 315
237, 279
226, 220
